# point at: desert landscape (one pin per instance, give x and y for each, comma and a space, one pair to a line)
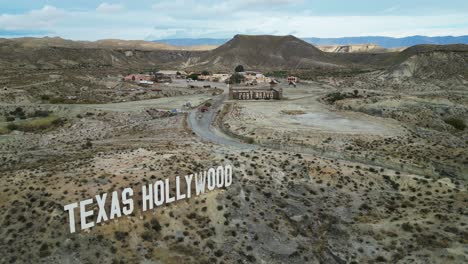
363, 159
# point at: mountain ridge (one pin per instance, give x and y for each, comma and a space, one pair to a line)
261, 52
385, 42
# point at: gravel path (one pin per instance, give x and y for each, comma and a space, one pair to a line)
201, 124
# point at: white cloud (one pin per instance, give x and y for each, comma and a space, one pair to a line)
34, 19
216, 9
110, 8
391, 9
189, 18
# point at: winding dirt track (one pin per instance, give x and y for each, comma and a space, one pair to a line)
201, 124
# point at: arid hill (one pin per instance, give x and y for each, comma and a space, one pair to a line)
263, 53
357, 48
58, 42
430, 61
57, 53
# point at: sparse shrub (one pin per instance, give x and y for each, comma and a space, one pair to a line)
236, 78
119, 235
239, 68
407, 227
44, 251
457, 123
12, 126
147, 236
155, 225
380, 259
193, 76
364, 206
87, 145
57, 100
333, 97
218, 253
251, 258
40, 113
39, 124
10, 118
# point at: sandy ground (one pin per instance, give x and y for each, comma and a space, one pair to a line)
313, 116
316, 117
166, 103
283, 207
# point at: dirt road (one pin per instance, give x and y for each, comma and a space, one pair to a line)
201, 124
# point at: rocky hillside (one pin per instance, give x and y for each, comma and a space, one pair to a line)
430, 62
56, 53
370, 48
263, 53
28, 42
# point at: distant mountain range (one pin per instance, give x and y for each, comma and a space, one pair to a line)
386, 42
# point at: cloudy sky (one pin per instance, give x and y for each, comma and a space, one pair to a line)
150, 20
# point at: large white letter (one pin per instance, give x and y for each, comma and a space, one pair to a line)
115, 206
211, 179
71, 215
159, 193
227, 175
101, 201
188, 180
219, 177
84, 214
127, 201
179, 196
169, 199
200, 183
147, 197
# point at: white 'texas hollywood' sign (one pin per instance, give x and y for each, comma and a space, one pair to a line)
152, 195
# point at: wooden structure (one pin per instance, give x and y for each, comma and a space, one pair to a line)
255, 93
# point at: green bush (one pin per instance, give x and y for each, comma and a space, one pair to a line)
4, 131
333, 97
57, 100
193, 76
456, 123
36, 124
239, 68
155, 225
236, 78
40, 113
12, 126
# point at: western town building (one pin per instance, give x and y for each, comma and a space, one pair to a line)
255, 93
253, 78
293, 79
172, 74
215, 77
138, 77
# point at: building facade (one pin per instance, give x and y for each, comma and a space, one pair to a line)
138, 77
255, 93
293, 79
172, 74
